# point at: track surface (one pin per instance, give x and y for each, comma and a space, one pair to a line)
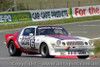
86, 29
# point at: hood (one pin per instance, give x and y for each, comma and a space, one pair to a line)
64, 37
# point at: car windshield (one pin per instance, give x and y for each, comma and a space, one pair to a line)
51, 31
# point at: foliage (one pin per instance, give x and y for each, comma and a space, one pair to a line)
21, 6
5, 4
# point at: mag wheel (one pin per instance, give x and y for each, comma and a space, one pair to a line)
12, 50
83, 57
44, 50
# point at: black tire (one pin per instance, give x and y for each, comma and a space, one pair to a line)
44, 51
12, 50
83, 57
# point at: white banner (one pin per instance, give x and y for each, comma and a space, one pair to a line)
43, 15
85, 11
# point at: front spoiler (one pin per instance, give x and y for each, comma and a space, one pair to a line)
75, 48
64, 51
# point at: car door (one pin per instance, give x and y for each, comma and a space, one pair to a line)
27, 39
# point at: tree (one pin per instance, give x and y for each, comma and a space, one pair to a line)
5, 4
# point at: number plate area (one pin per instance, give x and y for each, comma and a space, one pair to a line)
79, 52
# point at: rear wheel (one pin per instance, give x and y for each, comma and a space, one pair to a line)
83, 57
12, 50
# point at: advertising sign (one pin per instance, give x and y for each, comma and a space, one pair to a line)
43, 15
15, 17
86, 11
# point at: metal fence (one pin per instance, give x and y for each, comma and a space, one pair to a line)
52, 4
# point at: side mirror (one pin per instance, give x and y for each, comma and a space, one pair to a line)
31, 34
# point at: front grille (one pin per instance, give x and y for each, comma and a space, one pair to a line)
75, 43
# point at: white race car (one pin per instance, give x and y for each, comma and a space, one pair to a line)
48, 40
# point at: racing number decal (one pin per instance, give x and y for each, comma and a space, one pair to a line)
28, 42
32, 43
25, 41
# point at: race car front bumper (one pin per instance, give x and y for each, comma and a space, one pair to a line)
73, 50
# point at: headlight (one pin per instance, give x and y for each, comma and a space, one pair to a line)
58, 42
90, 42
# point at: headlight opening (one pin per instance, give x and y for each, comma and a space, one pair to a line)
90, 42
58, 43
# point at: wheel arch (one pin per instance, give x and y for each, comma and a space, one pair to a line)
15, 42
9, 42
41, 45
48, 44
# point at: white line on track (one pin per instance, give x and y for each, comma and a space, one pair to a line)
78, 31
96, 38
89, 25
4, 42
38, 55
5, 58
89, 58
82, 22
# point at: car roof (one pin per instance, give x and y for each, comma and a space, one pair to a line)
42, 26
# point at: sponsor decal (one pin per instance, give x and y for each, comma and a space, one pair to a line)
50, 28
15, 17
27, 40
67, 48
63, 37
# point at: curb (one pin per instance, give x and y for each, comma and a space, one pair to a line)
69, 57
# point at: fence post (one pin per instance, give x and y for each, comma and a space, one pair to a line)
67, 3
15, 4
78, 3
2, 6
53, 4
27, 6
89, 2
40, 4
10, 8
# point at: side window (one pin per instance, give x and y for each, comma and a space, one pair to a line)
27, 31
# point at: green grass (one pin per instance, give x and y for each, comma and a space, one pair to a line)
51, 22
97, 49
97, 44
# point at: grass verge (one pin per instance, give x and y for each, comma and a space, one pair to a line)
97, 44
97, 49
50, 22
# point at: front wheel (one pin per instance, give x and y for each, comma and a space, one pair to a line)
12, 50
83, 57
45, 51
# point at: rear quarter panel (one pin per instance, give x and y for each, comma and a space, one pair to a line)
13, 37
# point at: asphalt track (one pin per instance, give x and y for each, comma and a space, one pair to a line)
85, 29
